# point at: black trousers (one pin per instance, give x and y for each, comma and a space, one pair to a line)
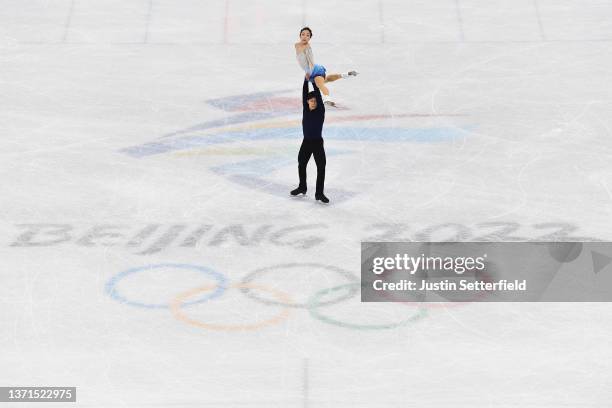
312, 147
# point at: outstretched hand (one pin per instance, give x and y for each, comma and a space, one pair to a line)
307, 77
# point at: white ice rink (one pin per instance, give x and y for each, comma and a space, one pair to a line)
147, 152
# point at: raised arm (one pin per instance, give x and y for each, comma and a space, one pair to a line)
320, 105
305, 94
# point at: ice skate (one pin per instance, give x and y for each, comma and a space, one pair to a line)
321, 197
298, 191
328, 101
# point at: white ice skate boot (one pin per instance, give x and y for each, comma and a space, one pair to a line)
328, 101
350, 74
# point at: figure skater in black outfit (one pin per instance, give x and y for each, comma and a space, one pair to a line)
312, 144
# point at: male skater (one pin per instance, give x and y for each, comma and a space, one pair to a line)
312, 144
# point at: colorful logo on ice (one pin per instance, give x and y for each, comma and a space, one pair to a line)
268, 116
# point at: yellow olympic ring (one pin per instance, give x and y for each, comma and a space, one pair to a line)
176, 309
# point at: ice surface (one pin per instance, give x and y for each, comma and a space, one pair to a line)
147, 152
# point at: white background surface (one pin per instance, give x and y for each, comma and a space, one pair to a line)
523, 85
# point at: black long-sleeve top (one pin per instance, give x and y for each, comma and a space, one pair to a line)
312, 120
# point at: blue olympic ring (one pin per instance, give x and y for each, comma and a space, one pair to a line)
112, 291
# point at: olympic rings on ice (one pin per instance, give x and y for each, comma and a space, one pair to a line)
317, 304
113, 292
341, 272
177, 303
317, 314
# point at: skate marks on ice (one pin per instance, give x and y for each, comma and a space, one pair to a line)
250, 174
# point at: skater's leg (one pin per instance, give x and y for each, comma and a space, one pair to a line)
332, 77
335, 77
303, 158
321, 161
320, 81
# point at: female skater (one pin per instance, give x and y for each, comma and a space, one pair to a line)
316, 73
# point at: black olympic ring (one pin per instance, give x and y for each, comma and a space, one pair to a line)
248, 279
